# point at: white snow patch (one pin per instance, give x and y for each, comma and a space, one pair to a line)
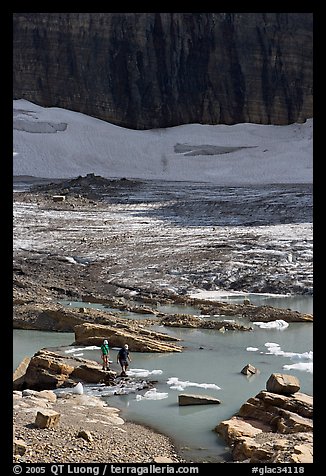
219, 294
58, 143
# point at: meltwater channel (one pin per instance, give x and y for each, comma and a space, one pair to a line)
210, 364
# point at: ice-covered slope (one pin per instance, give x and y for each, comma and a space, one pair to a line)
57, 143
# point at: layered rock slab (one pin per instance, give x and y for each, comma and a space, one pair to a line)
271, 427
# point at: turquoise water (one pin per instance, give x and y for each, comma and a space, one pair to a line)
26, 343
302, 304
209, 357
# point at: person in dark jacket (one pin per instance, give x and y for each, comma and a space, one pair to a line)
123, 358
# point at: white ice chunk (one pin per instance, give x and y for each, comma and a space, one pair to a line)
143, 372
152, 394
177, 384
304, 366
79, 389
277, 324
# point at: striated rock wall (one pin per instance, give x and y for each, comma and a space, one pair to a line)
152, 70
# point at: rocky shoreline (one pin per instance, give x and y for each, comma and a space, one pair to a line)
101, 435
275, 426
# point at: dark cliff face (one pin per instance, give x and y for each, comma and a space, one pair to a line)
150, 70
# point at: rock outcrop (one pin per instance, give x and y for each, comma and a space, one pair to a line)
49, 316
154, 70
92, 326
187, 320
271, 428
49, 370
251, 312
139, 339
29, 314
19, 374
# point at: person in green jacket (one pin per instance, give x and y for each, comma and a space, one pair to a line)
105, 354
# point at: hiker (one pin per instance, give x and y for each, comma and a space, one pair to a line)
105, 354
123, 358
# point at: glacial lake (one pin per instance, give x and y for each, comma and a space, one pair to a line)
210, 364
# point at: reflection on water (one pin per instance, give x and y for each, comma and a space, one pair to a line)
209, 357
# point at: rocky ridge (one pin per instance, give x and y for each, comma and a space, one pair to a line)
275, 426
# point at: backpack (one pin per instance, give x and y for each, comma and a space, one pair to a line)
105, 349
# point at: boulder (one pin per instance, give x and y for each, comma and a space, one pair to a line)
85, 434
280, 416
283, 384
47, 419
47, 370
191, 399
19, 447
249, 370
